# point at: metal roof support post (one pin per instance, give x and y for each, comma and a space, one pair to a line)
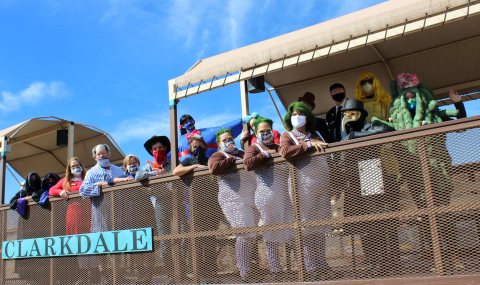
173, 123
4, 148
71, 140
245, 106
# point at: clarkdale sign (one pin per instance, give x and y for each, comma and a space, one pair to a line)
134, 240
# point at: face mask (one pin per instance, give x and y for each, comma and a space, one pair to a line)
197, 151
77, 171
367, 88
265, 138
229, 146
160, 156
338, 97
104, 162
189, 126
132, 168
34, 183
199, 154
298, 121
411, 104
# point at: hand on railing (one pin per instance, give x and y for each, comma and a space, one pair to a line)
64, 195
319, 145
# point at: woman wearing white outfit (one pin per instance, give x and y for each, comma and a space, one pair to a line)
313, 182
271, 195
235, 196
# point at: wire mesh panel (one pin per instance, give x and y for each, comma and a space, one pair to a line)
393, 209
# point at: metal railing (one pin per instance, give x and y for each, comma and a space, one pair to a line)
397, 206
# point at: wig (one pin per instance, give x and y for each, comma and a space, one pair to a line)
221, 132
262, 120
305, 110
383, 100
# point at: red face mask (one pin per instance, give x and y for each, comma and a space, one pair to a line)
160, 156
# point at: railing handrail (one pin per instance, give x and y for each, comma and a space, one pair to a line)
448, 126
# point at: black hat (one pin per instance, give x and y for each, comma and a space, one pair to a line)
308, 98
354, 105
153, 140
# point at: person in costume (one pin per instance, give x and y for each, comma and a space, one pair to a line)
321, 124
249, 136
198, 149
313, 183
379, 238
354, 122
414, 106
206, 215
271, 194
187, 129
375, 98
237, 202
158, 147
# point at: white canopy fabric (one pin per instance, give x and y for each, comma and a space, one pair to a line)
34, 145
438, 40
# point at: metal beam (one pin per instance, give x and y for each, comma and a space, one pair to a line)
385, 63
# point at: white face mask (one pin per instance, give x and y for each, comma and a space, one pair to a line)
298, 121
367, 88
77, 171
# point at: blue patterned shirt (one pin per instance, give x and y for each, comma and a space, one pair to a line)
97, 174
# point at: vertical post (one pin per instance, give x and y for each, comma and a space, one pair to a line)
71, 140
437, 253
4, 148
245, 105
173, 123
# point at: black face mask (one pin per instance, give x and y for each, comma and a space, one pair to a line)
338, 97
34, 183
199, 154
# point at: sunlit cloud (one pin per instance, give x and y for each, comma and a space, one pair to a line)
142, 128
33, 95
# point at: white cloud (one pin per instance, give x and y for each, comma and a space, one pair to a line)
238, 12
211, 26
32, 95
142, 127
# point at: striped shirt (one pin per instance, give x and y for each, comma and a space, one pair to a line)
97, 174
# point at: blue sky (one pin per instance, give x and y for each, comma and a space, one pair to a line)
107, 63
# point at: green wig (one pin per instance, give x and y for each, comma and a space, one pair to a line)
305, 110
260, 120
221, 132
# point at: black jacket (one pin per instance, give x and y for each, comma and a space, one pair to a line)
32, 187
